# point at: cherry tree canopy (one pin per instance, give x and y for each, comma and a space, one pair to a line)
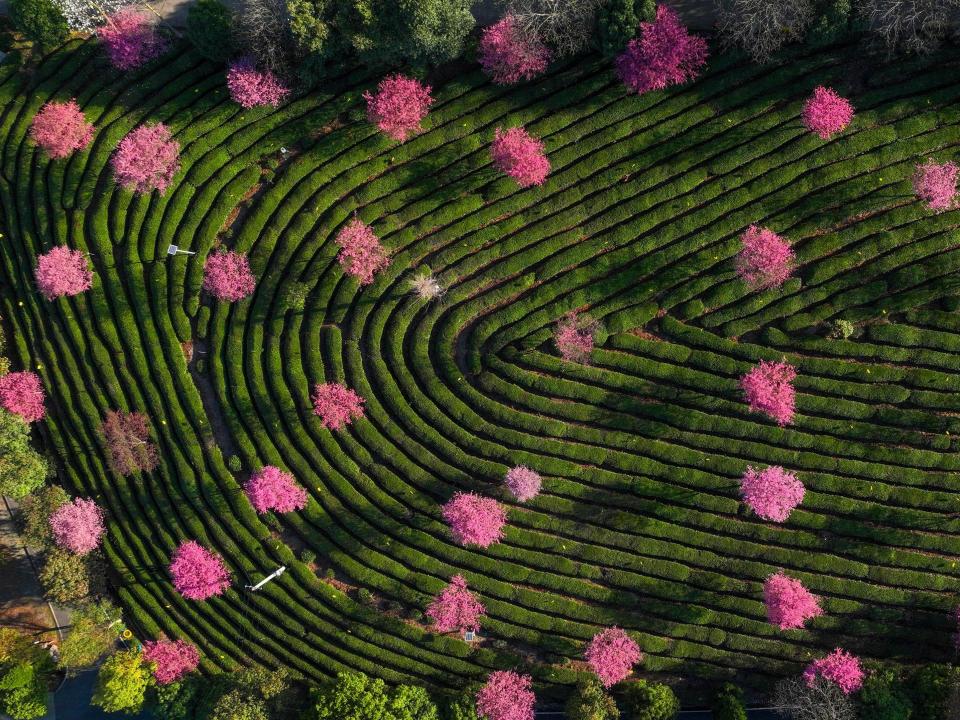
936, 184
826, 113
664, 54
611, 654
130, 38
250, 87
523, 483
172, 659
399, 106
60, 129
336, 404
509, 57
772, 493
765, 260
838, 667
77, 526
22, 394
61, 271
147, 159
475, 520
769, 390
520, 155
273, 489
227, 276
789, 603
455, 608
197, 572
506, 696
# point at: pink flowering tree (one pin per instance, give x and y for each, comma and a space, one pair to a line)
523, 483
60, 129
250, 87
475, 520
455, 608
22, 394
197, 572
611, 654
769, 389
520, 155
825, 113
573, 337
336, 404
506, 696
227, 276
273, 489
789, 603
936, 184
78, 526
838, 667
772, 493
765, 259
172, 659
131, 39
399, 106
147, 159
664, 54
62, 271
361, 254
507, 56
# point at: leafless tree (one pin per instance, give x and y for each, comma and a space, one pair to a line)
264, 32
909, 26
761, 27
822, 700
565, 25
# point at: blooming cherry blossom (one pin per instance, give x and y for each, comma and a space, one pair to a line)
227, 276
612, 654
22, 394
273, 489
520, 155
509, 57
361, 254
336, 404
573, 337
146, 159
826, 113
936, 184
769, 389
77, 526
172, 659
60, 129
131, 39
523, 483
455, 608
789, 603
838, 667
772, 493
250, 87
399, 106
766, 260
506, 696
197, 572
475, 520
664, 54
62, 271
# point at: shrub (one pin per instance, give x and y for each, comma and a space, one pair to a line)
147, 159
665, 54
522, 482
883, 696
769, 389
234, 463
209, 28
273, 489
650, 701
22, 469
520, 155
40, 20
455, 608
840, 668
198, 573
296, 297
474, 520
250, 87
728, 703
789, 603
611, 654
931, 688
765, 259
62, 271
78, 526
399, 106
506, 696
336, 405
60, 129
227, 276
590, 702
131, 39
840, 329
507, 56
825, 113
772, 493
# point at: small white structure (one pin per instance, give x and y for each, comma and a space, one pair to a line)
275, 574
175, 250
469, 635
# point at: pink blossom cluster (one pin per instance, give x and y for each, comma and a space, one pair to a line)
789, 603
399, 106
838, 667
22, 394
336, 404
361, 254
769, 389
772, 493
520, 155
765, 259
273, 489
574, 338
936, 184
509, 57
172, 659
611, 654
665, 54
197, 572
78, 526
455, 608
250, 87
62, 271
506, 696
147, 159
131, 39
523, 483
60, 129
475, 520
826, 113
227, 276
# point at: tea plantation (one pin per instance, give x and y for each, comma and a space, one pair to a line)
639, 523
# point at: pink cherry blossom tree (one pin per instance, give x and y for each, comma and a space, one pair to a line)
475, 520
250, 87
611, 654
361, 254
506, 696
127, 438
789, 603
573, 337
772, 493
78, 526
147, 159
664, 54
60, 129
838, 667
273, 489
520, 155
507, 56
826, 113
227, 276
455, 608
172, 659
22, 394
197, 572
769, 389
765, 259
336, 404
523, 483
936, 184
62, 271
131, 39
399, 106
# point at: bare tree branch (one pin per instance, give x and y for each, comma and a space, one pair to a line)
264, 32
565, 25
909, 26
761, 27
821, 700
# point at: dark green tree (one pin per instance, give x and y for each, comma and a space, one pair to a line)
728, 703
22, 469
650, 701
40, 20
617, 23
209, 27
35, 512
353, 696
591, 702
930, 688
